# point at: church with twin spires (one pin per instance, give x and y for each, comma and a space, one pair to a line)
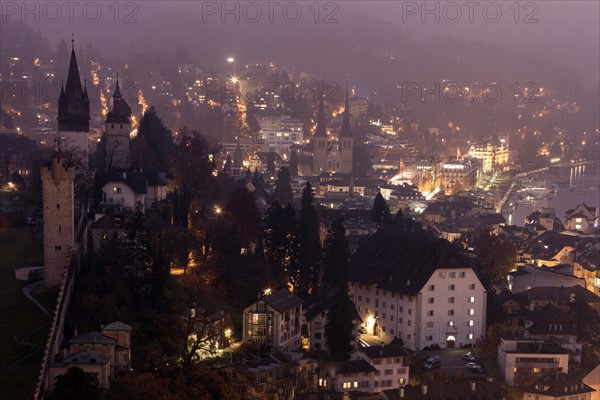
324, 154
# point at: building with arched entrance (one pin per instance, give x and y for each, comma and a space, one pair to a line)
407, 284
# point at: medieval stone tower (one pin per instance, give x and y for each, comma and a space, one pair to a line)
346, 141
319, 143
117, 128
58, 193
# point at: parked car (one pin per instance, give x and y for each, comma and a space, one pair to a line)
362, 330
433, 363
468, 356
475, 368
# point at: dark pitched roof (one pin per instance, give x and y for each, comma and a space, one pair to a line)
348, 367
561, 385
551, 320
87, 357
560, 295
135, 180
91, 338
346, 129
383, 351
73, 105
117, 326
402, 258
321, 130
282, 300
121, 112
108, 222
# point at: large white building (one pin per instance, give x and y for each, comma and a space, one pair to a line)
410, 285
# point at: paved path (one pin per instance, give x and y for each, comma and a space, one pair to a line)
27, 292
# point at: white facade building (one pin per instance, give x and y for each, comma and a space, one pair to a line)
412, 286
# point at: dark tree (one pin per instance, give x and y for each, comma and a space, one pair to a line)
335, 263
75, 385
496, 256
192, 168
245, 215
283, 188
279, 239
340, 325
310, 243
153, 143
380, 213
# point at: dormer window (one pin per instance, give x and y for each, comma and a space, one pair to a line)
117, 221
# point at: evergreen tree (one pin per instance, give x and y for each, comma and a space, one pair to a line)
380, 213
153, 142
310, 243
245, 215
339, 325
283, 188
336, 254
280, 235
192, 170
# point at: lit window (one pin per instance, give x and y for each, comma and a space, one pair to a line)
471, 323
471, 299
471, 312
470, 336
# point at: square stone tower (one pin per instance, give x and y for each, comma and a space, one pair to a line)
58, 195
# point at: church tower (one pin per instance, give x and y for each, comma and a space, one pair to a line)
117, 128
57, 191
319, 143
346, 141
74, 110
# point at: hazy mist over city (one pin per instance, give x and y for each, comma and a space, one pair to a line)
300, 200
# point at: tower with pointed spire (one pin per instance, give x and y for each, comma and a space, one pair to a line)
346, 140
117, 129
74, 108
319, 142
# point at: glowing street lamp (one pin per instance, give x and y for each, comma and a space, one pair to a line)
231, 60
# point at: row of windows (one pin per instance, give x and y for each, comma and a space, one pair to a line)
452, 287
430, 338
430, 313
470, 299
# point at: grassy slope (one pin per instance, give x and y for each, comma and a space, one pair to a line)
19, 248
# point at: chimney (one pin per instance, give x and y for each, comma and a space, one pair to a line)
424, 389
473, 386
75, 332
65, 353
401, 392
